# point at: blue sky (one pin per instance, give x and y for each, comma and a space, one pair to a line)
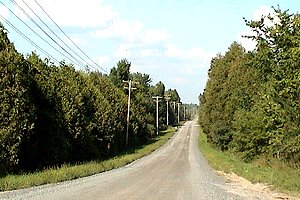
171, 40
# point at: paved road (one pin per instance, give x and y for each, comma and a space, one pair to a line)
175, 171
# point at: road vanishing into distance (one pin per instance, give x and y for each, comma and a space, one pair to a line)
175, 171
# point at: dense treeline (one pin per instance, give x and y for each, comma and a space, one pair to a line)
52, 115
251, 104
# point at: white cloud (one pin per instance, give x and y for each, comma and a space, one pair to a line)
132, 31
4, 12
103, 60
247, 43
179, 80
135, 39
88, 13
78, 39
195, 53
128, 30
153, 36
263, 11
173, 51
199, 53
123, 51
149, 52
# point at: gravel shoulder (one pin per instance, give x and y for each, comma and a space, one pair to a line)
175, 171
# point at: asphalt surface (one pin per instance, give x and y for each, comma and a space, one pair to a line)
175, 171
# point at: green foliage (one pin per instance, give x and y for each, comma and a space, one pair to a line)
70, 172
159, 90
52, 115
174, 96
227, 79
16, 109
173, 110
120, 73
142, 109
251, 101
270, 171
190, 111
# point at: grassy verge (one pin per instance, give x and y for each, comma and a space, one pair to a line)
280, 177
69, 172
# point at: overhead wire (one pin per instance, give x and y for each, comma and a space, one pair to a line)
76, 60
55, 33
38, 47
35, 31
68, 36
28, 39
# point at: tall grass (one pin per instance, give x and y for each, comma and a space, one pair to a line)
69, 172
279, 176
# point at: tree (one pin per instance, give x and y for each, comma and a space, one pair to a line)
17, 112
51, 115
174, 98
251, 101
276, 57
48, 144
120, 73
220, 98
159, 90
143, 108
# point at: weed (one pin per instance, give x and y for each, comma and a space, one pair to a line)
279, 176
70, 172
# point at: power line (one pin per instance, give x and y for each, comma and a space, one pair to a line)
26, 38
68, 36
55, 33
20, 8
77, 61
35, 32
41, 28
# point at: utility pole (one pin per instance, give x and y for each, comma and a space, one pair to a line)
174, 108
184, 114
167, 98
174, 105
128, 108
178, 107
157, 100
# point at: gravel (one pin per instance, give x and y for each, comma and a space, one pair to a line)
175, 171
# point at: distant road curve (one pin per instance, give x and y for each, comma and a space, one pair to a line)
175, 171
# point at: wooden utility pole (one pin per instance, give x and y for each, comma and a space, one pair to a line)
128, 108
174, 106
167, 98
178, 111
157, 123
